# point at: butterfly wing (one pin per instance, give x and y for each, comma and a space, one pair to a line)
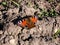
33, 19
28, 22
22, 23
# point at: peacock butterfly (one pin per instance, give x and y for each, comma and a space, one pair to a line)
28, 21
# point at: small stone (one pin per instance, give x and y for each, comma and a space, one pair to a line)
12, 42
1, 7
33, 30
55, 30
1, 32
30, 11
0, 1
58, 8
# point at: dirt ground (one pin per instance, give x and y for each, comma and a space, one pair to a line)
41, 34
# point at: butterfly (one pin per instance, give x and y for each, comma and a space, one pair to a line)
28, 22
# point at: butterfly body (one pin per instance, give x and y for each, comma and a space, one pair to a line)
28, 22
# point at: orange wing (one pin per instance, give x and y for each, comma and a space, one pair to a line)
26, 22
22, 23
33, 19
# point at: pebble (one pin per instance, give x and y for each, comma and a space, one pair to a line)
12, 42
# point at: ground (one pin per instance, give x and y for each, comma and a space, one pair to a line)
46, 26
